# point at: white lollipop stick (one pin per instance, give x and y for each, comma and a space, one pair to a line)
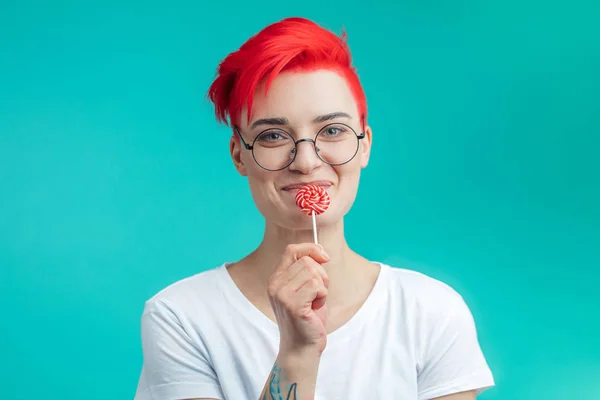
314, 219
310, 197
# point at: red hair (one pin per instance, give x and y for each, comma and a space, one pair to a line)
292, 44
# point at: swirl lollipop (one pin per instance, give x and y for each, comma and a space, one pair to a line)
313, 200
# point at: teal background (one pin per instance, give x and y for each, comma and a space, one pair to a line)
115, 179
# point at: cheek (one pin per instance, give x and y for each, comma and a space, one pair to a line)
348, 177
349, 172
262, 183
257, 180
255, 172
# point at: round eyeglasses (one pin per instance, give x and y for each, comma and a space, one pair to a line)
275, 149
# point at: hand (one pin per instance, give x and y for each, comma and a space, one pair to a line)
297, 290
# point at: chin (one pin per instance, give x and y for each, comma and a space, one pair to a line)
299, 220
287, 215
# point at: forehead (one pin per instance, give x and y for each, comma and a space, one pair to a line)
300, 96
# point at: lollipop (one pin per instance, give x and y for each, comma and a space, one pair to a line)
313, 200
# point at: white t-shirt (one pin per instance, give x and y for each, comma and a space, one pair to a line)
414, 338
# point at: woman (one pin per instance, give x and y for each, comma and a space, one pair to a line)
293, 319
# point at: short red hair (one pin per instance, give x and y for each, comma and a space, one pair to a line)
292, 44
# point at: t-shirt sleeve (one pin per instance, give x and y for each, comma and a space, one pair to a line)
451, 358
175, 367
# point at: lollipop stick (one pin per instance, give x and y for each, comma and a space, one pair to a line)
314, 219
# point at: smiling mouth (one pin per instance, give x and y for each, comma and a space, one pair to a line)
294, 188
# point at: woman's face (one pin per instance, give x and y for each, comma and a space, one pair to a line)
294, 101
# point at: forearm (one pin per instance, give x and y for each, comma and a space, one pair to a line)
293, 377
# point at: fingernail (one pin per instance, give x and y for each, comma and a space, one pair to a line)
323, 252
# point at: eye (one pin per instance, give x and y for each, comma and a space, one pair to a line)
272, 136
333, 131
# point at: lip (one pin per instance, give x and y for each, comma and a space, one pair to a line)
298, 185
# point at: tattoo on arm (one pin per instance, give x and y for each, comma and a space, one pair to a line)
275, 387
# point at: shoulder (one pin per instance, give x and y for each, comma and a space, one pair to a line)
193, 292
448, 357
429, 300
420, 287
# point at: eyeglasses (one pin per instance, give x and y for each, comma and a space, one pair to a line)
275, 149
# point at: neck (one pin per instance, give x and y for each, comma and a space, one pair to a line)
331, 237
344, 269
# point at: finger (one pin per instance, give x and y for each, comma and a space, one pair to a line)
319, 302
289, 265
324, 276
305, 275
307, 262
312, 290
294, 252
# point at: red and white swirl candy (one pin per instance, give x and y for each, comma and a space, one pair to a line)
312, 198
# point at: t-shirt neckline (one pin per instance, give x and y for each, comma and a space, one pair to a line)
250, 311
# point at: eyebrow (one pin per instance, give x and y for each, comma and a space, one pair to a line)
270, 121
278, 121
330, 116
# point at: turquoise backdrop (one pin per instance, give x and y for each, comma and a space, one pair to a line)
115, 179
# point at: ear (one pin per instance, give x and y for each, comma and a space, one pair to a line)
235, 149
365, 147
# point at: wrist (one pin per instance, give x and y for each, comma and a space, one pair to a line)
300, 352
303, 359
299, 367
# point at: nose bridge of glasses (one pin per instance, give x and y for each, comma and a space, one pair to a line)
310, 152
304, 140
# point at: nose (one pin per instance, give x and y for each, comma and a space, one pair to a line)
306, 157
